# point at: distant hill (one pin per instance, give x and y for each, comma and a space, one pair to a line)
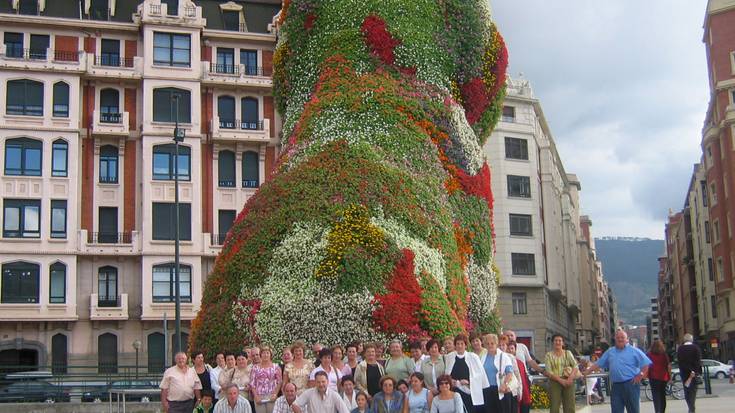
630, 266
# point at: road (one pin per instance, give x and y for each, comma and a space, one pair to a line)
721, 400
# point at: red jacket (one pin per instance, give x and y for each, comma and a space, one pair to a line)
526, 395
659, 369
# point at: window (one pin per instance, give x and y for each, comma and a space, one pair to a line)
61, 100
24, 97
110, 54
110, 106
713, 304
98, 10
249, 59
225, 60
523, 264
171, 49
703, 184
231, 20
716, 226
58, 218
720, 271
156, 353
225, 219
250, 170
20, 282
164, 221
516, 148
21, 218
107, 353
23, 157
713, 193
107, 226
59, 354
520, 224
164, 105
59, 158
226, 112
39, 45
727, 306
509, 114
226, 169
164, 286
710, 269
107, 287
28, 7
13, 44
57, 283
520, 303
250, 115
164, 157
172, 8
707, 236
108, 164
519, 186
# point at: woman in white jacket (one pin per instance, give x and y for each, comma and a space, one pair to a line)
468, 376
516, 388
498, 368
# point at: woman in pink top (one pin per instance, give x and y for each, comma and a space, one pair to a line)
265, 381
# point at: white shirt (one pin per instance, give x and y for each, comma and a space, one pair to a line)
349, 400
242, 406
331, 402
334, 376
214, 379
523, 354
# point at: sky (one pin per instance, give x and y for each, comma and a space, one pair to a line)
623, 85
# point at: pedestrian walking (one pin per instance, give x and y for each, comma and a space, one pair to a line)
659, 375
689, 357
627, 366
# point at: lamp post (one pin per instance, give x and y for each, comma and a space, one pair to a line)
178, 137
136, 346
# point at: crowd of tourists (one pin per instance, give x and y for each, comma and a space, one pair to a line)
476, 374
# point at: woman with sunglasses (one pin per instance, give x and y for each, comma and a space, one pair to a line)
446, 401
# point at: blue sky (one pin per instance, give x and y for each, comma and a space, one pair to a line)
623, 84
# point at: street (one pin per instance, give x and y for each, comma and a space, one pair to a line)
721, 400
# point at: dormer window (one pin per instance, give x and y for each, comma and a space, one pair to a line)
98, 10
232, 18
172, 7
28, 7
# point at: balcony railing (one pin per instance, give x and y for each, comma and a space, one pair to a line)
190, 11
224, 68
14, 52
241, 124
106, 301
113, 61
218, 239
245, 70
110, 117
249, 183
155, 9
110, 238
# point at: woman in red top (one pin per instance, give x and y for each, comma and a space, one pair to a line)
659, 374
525, 399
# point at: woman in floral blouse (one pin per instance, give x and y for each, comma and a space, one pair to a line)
297, 371
265, 381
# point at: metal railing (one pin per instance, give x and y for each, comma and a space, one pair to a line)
113, 61
110, 117
110, 238
249, 183
13, 52
226, 69
106, 301
232, 69
241, 124
218, 239
155, 9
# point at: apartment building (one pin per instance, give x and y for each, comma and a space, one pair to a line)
91, 92
653, 322
593, 321
537, 225
665, 303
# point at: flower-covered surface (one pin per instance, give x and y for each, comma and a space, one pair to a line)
377, 222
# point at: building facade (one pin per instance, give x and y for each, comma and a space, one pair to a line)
92, 90
539, 237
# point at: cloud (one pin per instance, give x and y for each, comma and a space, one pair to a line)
624, 88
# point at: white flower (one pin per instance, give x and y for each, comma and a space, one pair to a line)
483, 290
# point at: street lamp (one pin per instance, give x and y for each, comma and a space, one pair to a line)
179, 135
136, 346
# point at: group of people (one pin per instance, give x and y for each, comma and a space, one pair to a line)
476, 374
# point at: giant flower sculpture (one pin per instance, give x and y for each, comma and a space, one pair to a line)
377, 222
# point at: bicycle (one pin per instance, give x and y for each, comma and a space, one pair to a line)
673, 389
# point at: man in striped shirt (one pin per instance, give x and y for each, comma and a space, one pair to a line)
233, 403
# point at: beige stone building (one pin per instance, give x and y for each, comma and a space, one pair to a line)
91, 90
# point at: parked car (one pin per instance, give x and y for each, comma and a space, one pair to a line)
716, 369
102, 393
33, 391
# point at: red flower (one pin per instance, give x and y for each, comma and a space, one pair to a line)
309, 21
378, 39
477, 185
398, 309
475, 98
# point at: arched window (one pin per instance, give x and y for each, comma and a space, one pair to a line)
57, 283
20, 283
163, 162
107, 353
107, 287
164, 106
24, 97
23, 157
226, 112
61, 100
164, 284
250, 170
156, 353
59, 354
226, 168
108, 164
250, 114
59, 158
110, 106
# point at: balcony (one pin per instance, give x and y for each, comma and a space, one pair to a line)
241, 131
217, 240
155, 12
110, 123
40, 60
102, 243
240, 75
155, 311
113, 67
108, 308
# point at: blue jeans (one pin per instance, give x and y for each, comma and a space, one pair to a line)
626, 396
